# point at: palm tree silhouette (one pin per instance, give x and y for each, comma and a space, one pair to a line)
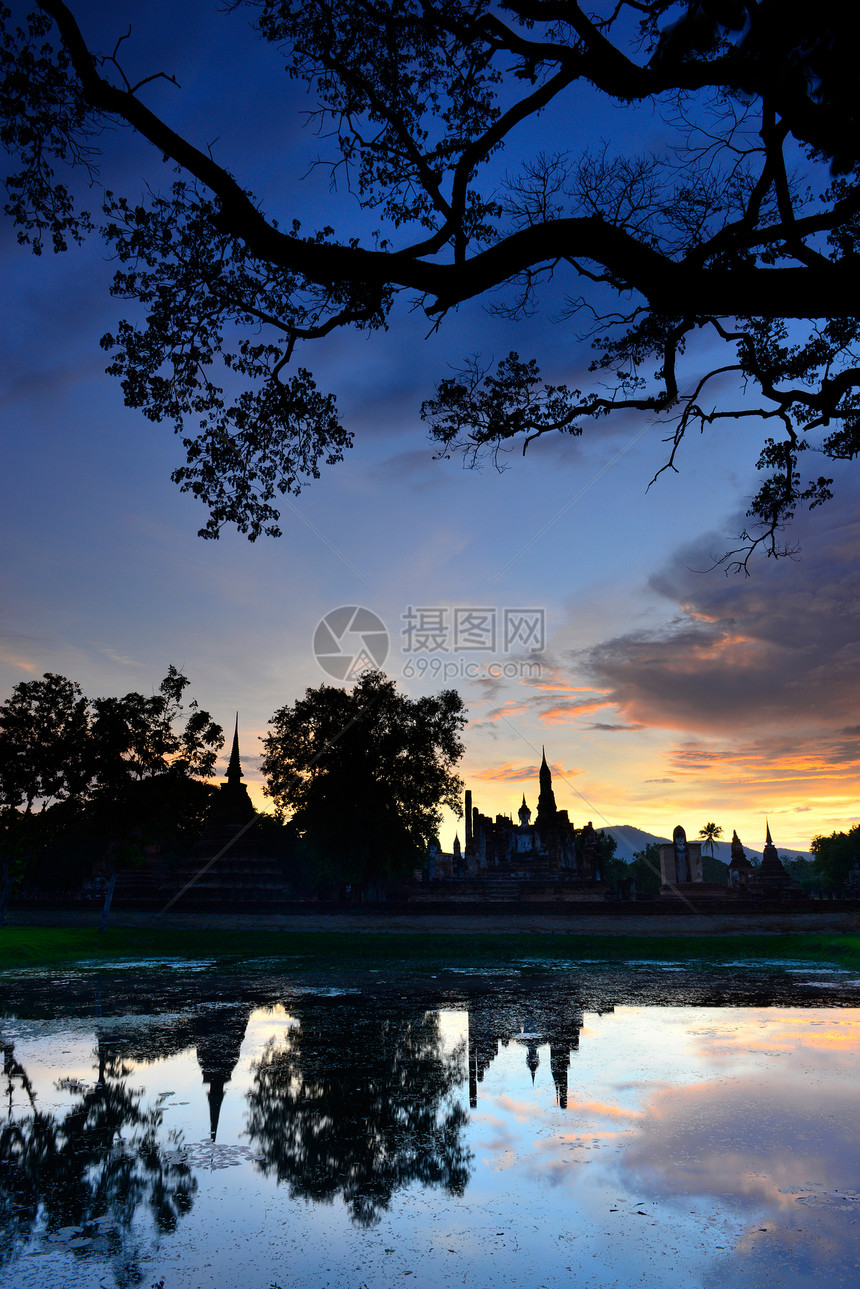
710, 833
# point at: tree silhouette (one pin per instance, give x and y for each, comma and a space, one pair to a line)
44, 726
835, 856
364, 773
711, 832
645, 868
112, 773
359, 1104
742, 232
93, 1167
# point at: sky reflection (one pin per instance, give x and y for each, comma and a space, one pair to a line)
494, 1132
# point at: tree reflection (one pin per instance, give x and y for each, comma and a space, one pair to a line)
360, 1106
90, 1169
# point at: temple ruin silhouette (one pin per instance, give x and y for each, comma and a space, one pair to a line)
537, 859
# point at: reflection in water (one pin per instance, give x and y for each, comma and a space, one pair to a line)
685, 1131
789, 1162
555, 1022
88, 1172
219, 1038
216, 1033
360, 1107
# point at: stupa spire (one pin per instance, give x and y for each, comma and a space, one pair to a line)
234, 769
771, 865
215, 1096
547, 809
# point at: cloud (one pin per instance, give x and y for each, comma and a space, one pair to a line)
506, 773
504, 711
784, 1159
16, 660
560, 713
556, 686
488, 687
124, 659
23, 651
614, 728
779, 650
776, 759
509, 773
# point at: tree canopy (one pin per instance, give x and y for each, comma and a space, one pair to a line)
359, 1106
363, 774
740, 238
123, 771
645, 869
835, 856
62, 1168
43, 727
55, 744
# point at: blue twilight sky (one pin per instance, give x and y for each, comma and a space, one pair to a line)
663, 693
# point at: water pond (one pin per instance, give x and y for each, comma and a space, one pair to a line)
542, 1126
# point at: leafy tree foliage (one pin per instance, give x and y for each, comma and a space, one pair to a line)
69, 1169
835, 856
646, 869
714, 870
604, 842
43, 726
744, 234
805, 872
359, 1107
363, 773
107, 775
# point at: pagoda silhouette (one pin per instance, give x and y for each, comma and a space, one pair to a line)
232, 865
232, 808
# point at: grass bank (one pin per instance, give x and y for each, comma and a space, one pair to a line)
26, 946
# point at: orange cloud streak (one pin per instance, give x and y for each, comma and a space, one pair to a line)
511, 773
562, 712
15, 660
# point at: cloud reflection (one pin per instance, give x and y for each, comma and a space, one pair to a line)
783, 1153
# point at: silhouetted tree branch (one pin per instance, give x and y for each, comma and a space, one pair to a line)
746, 233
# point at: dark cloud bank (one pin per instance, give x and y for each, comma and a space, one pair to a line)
777, 651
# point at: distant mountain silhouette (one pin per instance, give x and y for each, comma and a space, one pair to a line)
630, 839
